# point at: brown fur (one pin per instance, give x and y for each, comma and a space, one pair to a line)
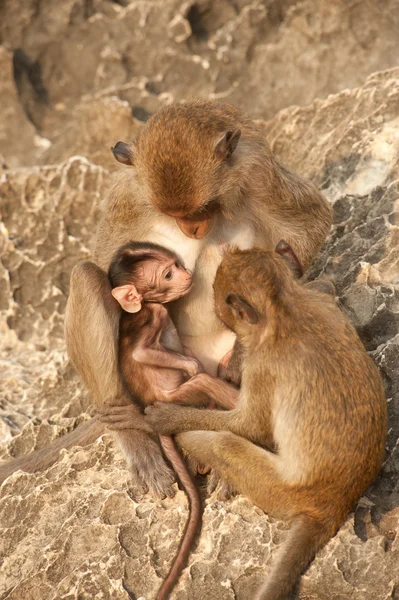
307, 436
177, 166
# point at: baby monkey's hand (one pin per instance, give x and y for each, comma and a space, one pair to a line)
193, 367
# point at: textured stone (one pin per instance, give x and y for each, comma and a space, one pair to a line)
85, 75
17, 135
263, 55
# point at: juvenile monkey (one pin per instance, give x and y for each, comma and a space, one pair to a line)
144, 277
307, 436
200, 174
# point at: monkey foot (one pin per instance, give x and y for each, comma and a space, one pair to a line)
224, 490
148, 469
158, 482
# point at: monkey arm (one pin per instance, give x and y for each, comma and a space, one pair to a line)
165, 359
169, 419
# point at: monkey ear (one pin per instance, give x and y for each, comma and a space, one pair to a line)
123, 153
242, 309
287, 253
325, 286
128, 297
227, 143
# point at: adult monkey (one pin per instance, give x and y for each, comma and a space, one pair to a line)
200, 174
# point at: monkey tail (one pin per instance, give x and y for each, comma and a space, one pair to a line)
194, 519
305, 538
41, 459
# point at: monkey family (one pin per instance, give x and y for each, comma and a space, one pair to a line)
305, 433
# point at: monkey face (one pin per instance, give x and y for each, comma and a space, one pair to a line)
174, 281
142, 271
251, 286
183, 158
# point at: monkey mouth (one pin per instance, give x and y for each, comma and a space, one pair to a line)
188, 288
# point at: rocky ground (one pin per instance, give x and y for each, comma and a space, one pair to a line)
76, 77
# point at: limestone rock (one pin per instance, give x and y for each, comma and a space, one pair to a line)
263, 55
83, 74
17, 134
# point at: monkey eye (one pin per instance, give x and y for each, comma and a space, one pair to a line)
168, 275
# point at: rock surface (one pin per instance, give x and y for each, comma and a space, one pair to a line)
78, 76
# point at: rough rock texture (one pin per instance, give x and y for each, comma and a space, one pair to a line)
76, 77
262, 54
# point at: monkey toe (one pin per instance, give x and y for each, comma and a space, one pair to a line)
162, 485
224, 490
158, 481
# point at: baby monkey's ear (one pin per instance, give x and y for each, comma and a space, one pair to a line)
128, 297
124, 153
241, 309
288, 254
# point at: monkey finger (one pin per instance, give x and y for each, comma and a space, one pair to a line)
170, 492
139, 487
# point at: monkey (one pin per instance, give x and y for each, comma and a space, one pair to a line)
308, 434
145, 277
199, 175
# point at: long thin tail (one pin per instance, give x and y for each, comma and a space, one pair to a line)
41, 459
304, 539
194, 518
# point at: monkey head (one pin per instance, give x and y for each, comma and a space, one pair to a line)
145, 272
253, 286
183, 158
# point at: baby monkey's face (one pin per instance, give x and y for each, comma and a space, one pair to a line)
164, 280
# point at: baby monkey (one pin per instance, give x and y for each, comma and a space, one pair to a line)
152, 362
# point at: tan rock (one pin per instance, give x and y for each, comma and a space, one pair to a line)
87, 74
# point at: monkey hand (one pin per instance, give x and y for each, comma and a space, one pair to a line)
192, 367
123, 417
164, 418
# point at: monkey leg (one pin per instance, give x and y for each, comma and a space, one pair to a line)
199, 389
91, 334
316, 512
250, 469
